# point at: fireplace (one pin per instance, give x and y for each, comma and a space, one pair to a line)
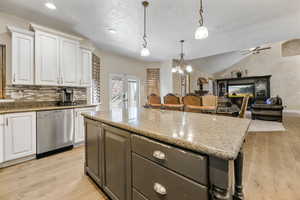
241, 90
257, 87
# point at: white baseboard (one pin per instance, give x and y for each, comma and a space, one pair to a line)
17, 161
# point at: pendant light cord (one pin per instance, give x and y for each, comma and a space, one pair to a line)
145, 23
181, 61
201, 21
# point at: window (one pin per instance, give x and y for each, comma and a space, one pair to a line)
2, 71
96, 80
153, 81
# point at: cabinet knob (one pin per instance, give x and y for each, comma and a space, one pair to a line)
159, 155
159, 189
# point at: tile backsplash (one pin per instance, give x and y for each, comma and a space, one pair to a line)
41, 93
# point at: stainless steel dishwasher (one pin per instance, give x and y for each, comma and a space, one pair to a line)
55, 131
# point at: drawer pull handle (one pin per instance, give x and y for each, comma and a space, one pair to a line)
160, 189
159, 155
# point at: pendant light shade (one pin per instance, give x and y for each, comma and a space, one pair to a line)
145, 51
189, 68
201, 32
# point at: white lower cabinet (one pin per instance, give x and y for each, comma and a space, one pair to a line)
2, 138
19, 135
79, 124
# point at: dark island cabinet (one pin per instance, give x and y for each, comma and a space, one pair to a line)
93, 153
117, 166
127, 166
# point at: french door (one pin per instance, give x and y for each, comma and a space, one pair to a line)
124, 91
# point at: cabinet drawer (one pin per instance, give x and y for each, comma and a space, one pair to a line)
156, 182
137, 196
186, 163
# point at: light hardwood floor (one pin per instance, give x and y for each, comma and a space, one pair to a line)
272, 171
272, 163
53, 178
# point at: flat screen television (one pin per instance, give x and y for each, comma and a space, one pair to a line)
241, 90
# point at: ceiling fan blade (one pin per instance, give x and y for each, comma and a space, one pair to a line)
264, 48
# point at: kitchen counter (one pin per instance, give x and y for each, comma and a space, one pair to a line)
43, 108
191, 151
210, 134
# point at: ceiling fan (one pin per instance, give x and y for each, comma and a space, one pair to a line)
255, 50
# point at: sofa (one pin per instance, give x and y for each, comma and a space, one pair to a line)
270, 109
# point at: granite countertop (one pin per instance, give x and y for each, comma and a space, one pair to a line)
43, 108
214, 135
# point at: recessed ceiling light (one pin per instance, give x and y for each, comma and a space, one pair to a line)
50, 5
112, 31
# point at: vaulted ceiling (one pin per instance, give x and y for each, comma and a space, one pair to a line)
232, 24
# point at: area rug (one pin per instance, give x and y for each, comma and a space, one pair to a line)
265, 126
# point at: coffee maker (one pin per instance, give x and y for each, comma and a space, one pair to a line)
67, 97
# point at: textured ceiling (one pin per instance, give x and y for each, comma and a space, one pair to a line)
232, 24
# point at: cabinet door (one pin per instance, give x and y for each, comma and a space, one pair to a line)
69, 62
22, 59
79, 124
85, 68
47, 59
93, 152
20, 135
2, 124
117, 165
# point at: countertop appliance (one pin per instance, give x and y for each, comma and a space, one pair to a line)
67, 97
54, 131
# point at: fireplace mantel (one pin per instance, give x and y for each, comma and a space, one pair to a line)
261, 84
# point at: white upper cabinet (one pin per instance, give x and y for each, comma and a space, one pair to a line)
57, 57
69, 62
47, 59
22, 65
85, 68
20, 135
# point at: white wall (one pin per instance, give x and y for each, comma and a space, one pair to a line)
116, 64
285, 73
196, 73
166, 81
217, 63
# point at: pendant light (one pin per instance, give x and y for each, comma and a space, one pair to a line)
201, 32
145, 51
182, 67
50, 5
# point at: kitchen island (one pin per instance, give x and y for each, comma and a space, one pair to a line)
145, 154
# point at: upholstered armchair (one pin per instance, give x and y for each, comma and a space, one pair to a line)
172, 102
154, 101
209, 103
192, 103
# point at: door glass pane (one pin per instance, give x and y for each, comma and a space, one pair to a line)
117, 85
132, 93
